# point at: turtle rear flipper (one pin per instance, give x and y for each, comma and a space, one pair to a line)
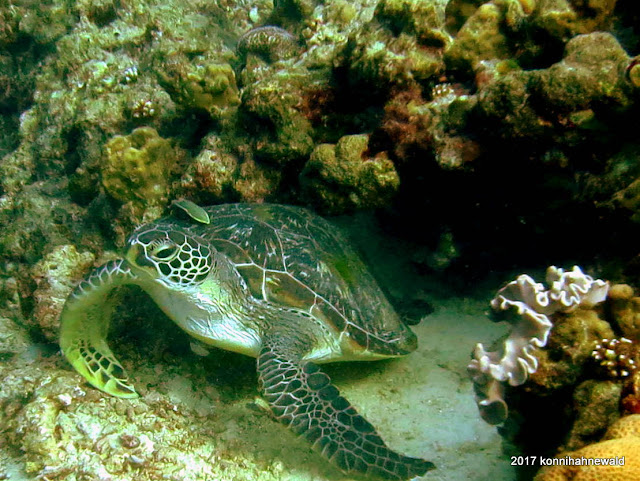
303, 398
84, 324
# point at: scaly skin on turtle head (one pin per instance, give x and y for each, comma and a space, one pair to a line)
169, 254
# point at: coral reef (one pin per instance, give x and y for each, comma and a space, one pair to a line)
109, 110
281, 133
412, 124
484, 35
137, 170
204, 86
340, 177
586, 376
425, 20
55, 276
596, 404
621, 442
175, 431
569, 351
378, 61
625, 309
532, 303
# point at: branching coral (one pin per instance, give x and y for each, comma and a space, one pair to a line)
532, 303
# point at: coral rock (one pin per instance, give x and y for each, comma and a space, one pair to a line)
210, 175
570, 346
206, 86
380, 61
55, 276
137, 170
624, 427
628, 447
596, 404
592, 72
340, 177
625, 308
425, 20
280, 131
481, 38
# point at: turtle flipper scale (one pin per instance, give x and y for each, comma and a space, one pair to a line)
303, 398
84, 324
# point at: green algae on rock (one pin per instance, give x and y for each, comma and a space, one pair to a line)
625, 309
425, 20
379, 61
482, 37
591, 74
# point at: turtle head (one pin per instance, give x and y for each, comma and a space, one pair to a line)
169, 254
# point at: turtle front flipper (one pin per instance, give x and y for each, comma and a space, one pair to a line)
303, 398
84, 324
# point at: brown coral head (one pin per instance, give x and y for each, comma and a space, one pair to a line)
617, 357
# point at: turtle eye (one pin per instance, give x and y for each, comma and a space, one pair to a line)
164, 252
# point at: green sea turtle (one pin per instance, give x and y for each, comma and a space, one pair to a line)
271, 281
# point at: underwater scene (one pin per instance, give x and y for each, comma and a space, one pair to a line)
319, 240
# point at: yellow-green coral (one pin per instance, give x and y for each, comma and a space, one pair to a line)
381, 60
280, 131
208, 86
137, 168
482, 37
425, 20
340, 177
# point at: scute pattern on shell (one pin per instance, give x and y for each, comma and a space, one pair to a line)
291, 257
